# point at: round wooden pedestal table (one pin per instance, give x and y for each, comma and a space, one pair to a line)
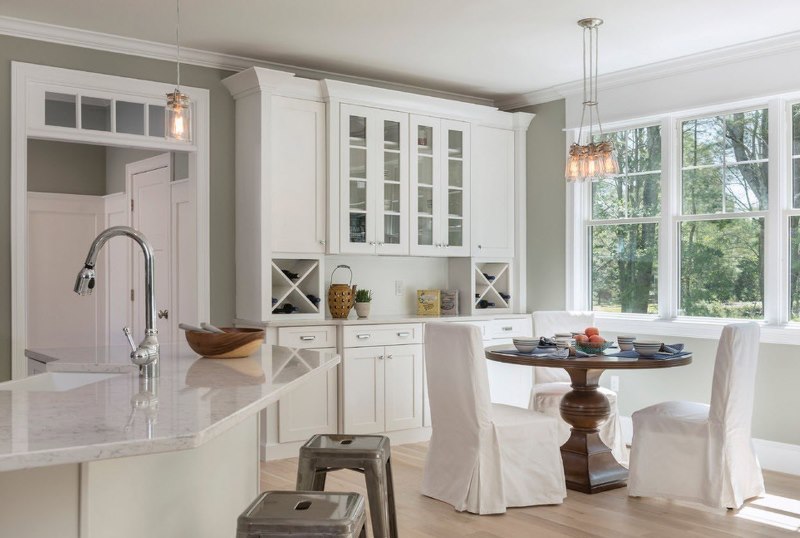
589, 465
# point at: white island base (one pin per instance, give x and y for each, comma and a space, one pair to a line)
123, 457
197, 492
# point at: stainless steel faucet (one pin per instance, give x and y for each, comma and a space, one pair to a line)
145, 355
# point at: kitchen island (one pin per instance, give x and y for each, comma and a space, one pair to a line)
120, 456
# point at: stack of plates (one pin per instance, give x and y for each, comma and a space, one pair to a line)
526, 344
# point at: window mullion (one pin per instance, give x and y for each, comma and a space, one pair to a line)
776, 240
670, 208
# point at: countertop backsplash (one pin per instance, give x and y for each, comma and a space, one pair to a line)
380, 273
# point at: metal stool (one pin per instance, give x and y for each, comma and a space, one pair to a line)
279, 514
368, 454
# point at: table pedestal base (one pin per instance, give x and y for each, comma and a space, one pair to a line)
589, 466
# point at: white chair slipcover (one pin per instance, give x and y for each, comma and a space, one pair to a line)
701, 453
551, 384
483, 457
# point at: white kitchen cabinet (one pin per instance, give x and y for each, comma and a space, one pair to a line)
298, 197
364, 402
314, 406
310, 408
492, 187
403, 387
382, 388
373, 181
440, 187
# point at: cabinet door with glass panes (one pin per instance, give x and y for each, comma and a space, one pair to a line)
439, 187
455, 188
374, 181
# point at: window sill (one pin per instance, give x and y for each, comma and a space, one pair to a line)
692, 328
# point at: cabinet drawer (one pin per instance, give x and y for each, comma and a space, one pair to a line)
509, 328
307, 337
382, 335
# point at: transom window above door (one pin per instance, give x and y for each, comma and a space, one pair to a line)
103, 114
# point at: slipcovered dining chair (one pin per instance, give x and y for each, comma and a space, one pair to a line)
696, 452
483, 457
551, 384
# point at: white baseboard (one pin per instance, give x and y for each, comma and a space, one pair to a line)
290, 450
779, 457
773, 456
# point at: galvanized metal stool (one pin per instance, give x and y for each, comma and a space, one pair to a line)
368, 454
281, 514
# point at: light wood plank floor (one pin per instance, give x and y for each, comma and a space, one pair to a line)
608, 514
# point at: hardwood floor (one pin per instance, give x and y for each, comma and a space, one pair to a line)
608, 514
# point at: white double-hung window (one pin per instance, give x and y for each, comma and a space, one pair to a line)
724, 195
623, 226
701, 226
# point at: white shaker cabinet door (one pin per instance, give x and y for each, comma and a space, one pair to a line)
309, 409
492, 185
363, 386
298, 197
403, 387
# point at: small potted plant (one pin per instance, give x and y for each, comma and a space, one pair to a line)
363, 300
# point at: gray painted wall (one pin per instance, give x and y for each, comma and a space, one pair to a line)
778, 369
546, 160
66, 168
116, 159
221, 159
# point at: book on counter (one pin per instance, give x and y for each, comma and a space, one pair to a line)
429, 302
449, 302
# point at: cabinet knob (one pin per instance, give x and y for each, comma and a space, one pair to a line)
480, 246
380, 244
163, 314
322, 242
380, 357
389, 357
372, 243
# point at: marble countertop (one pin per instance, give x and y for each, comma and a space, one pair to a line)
287, 321
193, 401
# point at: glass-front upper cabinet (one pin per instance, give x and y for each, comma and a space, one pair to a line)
439, 181
374, 180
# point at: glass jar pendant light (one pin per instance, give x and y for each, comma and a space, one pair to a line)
178, 117
590, 159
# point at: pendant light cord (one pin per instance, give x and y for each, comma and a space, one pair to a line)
178, 41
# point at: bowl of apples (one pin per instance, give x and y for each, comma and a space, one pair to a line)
591, 342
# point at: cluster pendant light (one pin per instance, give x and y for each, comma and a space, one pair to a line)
178, 117
590, 160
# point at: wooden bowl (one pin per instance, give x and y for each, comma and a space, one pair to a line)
234, 344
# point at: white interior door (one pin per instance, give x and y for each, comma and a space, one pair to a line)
151, 215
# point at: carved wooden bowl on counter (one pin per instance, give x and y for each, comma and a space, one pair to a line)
236, 343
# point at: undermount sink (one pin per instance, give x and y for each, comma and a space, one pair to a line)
56, 381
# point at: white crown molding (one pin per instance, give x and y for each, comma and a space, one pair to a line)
76, 37
675, 66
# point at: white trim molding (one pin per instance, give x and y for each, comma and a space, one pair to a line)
77, 37
789, 42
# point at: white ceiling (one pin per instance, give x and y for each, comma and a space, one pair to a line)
484, 48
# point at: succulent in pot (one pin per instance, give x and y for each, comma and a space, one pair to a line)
363, 302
